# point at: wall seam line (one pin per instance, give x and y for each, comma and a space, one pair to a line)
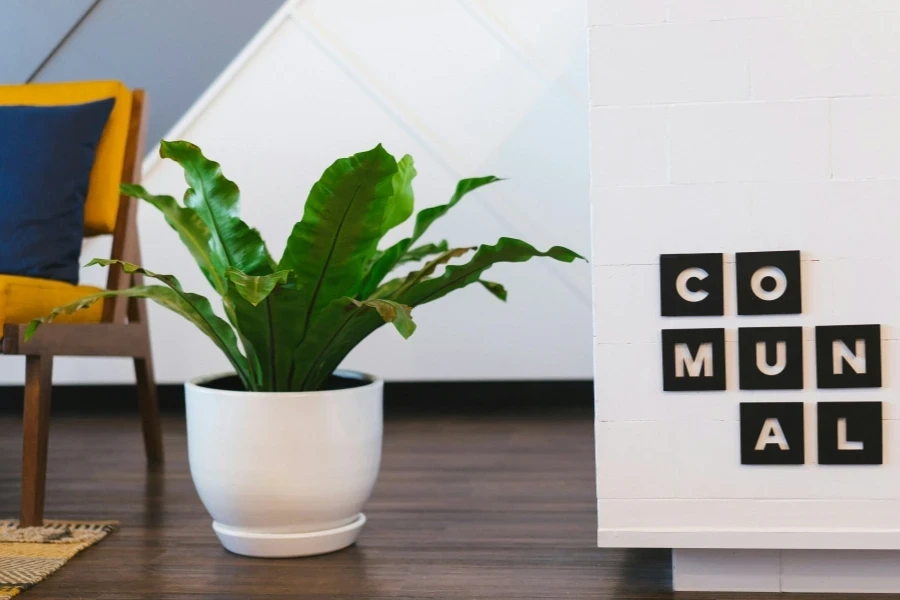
62, 42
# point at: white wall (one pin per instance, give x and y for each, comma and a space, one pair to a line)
468, 88
726, 126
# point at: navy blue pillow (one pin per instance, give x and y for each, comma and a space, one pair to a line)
46, 155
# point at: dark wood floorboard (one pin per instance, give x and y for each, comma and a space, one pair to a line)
465, 508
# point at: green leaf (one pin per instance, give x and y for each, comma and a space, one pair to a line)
217, 201
132, 268
255, 288
381, 267
193, 233
213, 326
269, 332
265, 314
427, 216
392, 312
343, 324
393, 256
392, 286
430, 267
400, 206
495, 288
458, 276
68, 309
343, 220
387, 289
422, 252
193, 307
335, 332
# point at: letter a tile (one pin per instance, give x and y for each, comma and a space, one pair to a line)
772, 433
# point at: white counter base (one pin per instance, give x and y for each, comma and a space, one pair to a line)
835, 571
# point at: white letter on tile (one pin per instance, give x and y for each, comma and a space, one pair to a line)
772, 434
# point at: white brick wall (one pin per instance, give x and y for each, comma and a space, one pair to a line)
755, 60
659, 64
812, 57
631, 145
614, 12
866, 137
713, 10
749, 141
726, 126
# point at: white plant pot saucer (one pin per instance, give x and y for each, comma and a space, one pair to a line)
286, 545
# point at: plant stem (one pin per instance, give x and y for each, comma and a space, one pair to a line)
273, 380
325, 347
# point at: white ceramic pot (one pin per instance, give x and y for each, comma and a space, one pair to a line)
285, 473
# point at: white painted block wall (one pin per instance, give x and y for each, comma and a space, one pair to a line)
726, 126
468, 87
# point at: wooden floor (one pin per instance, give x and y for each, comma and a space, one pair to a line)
465, 508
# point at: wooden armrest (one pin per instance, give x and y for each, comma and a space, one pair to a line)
89, 339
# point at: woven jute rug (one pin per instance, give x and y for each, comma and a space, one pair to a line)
28, 555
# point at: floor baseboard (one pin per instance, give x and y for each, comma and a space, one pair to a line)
400, 398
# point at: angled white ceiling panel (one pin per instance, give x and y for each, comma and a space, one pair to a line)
435, 64
541, 33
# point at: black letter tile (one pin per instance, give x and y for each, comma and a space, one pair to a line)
837, 365
693, 360
772, 433
768, 283
770, 358
691, 285
850, 433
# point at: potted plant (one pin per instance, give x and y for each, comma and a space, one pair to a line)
285, 450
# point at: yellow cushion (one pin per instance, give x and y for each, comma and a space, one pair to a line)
25, 298
102, 203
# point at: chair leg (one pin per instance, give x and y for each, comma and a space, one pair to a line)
149, 404
146, 382
36, 428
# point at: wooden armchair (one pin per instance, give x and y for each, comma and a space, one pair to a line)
116, 327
